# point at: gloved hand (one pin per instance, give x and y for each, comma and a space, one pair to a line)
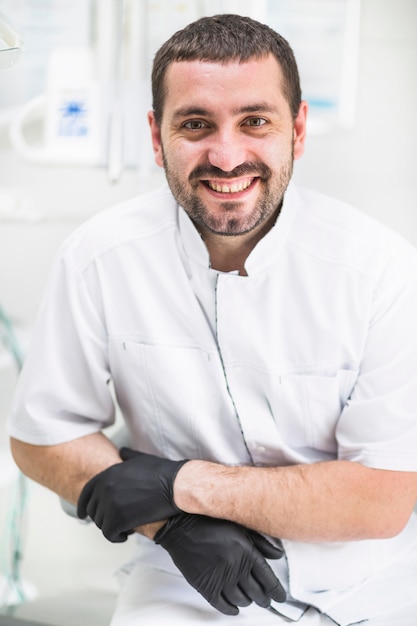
223, 561
130, 494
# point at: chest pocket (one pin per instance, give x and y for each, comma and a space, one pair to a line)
175, 400
306, 408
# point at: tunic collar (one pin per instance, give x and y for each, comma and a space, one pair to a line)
266, 250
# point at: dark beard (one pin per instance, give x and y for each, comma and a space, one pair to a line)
229, 224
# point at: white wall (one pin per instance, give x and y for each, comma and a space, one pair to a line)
372, 166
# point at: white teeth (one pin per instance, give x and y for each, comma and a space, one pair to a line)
233, 188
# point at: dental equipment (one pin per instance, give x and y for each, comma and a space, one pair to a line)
11, 43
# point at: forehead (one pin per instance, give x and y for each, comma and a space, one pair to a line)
190, 83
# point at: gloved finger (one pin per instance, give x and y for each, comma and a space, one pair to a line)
223, 605
84, 500
116, 536
127, 453
267, 580
255, 591
235, 595
265, 547
96, 512
112, 531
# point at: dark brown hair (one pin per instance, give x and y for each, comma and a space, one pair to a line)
220, 39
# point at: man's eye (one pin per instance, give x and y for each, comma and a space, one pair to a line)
255, 121
195, 125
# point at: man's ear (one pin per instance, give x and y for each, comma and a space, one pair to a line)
156, 139
300, 126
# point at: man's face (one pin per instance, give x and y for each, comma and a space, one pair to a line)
227, 142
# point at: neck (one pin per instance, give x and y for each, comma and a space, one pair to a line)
229, 253
227, 258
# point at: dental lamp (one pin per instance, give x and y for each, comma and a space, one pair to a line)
11, 43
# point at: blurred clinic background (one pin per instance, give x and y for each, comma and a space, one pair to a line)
74, 140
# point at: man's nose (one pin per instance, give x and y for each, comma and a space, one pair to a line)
227, 151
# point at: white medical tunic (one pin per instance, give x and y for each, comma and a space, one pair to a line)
310, 357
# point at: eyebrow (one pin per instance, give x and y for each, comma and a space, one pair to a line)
190, 111
257, 107
265, 107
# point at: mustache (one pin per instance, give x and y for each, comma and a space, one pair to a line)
245, 169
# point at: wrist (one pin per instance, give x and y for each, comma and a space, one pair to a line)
150, 530
197, 487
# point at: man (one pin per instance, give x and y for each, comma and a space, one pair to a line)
262, 344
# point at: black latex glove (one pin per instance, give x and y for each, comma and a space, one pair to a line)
225, 562
130, 494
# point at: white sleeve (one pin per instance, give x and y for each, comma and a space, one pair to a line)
378, 426
63, 391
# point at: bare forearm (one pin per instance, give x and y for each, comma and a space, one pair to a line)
65, 468
333, 501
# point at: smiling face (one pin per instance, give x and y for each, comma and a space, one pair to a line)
227, 141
